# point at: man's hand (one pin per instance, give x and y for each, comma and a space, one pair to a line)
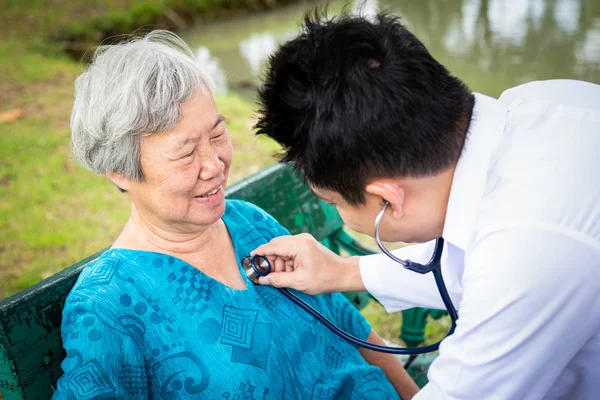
300, 262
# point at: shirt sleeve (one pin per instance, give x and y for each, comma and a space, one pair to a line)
397, 288
348, 317
103, 359
530, 303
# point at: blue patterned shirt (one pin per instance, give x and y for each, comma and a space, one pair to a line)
142, 325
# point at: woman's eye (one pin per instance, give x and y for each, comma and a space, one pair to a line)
189, 154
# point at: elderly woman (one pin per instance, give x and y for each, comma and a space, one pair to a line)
166, 312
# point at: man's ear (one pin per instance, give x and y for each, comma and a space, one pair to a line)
390, 191
119, 181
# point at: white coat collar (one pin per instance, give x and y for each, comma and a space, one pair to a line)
469, 181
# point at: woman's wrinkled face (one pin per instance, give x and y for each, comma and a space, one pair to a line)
186, 169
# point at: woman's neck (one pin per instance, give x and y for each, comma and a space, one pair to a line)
209, 250
142, 234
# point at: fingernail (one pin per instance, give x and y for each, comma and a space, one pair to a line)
263, 280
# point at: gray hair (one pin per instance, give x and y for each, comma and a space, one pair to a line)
130, 90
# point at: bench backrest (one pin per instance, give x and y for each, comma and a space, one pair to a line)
30, 344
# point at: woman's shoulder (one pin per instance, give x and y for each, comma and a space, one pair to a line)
244, 208
247, 221
103, 278
248, 212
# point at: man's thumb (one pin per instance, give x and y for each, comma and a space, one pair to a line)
277, 279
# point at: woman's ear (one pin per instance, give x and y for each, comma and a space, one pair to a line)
390, 191
122, 183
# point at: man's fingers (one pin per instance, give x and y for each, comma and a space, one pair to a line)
273, 248
279, 265
283, 253
282, 246
289, 266
264, 280
278, 280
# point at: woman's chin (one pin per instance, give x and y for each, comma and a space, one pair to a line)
208, 210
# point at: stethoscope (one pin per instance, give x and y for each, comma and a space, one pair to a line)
257, 266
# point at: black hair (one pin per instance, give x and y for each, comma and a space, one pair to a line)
352, 99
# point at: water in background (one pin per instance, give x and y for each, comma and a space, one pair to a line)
490, 44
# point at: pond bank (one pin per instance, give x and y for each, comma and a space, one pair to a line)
174, 15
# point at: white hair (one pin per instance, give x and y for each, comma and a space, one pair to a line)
131, 89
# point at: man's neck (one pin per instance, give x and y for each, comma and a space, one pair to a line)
427, 203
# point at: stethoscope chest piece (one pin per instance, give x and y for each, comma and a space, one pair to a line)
255, 267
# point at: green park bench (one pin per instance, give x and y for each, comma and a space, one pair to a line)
30, 342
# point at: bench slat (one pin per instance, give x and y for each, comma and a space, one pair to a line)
30, 345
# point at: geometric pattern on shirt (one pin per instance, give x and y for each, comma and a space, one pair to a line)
90, 381
191, 376
133, 378
258, 354
251, 237
267, 298
134, 326
325, 390
193, 289
340, 386
238, 326
70, 325
101, 274
245, 391
347, 316
334, 358
299, 317
157, 314
370, 387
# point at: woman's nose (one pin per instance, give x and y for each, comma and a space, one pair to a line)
210, 166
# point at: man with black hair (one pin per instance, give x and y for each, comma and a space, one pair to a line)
369, 116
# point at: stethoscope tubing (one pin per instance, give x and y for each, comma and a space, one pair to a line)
353, 339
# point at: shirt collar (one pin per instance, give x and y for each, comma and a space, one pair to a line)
469, 181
